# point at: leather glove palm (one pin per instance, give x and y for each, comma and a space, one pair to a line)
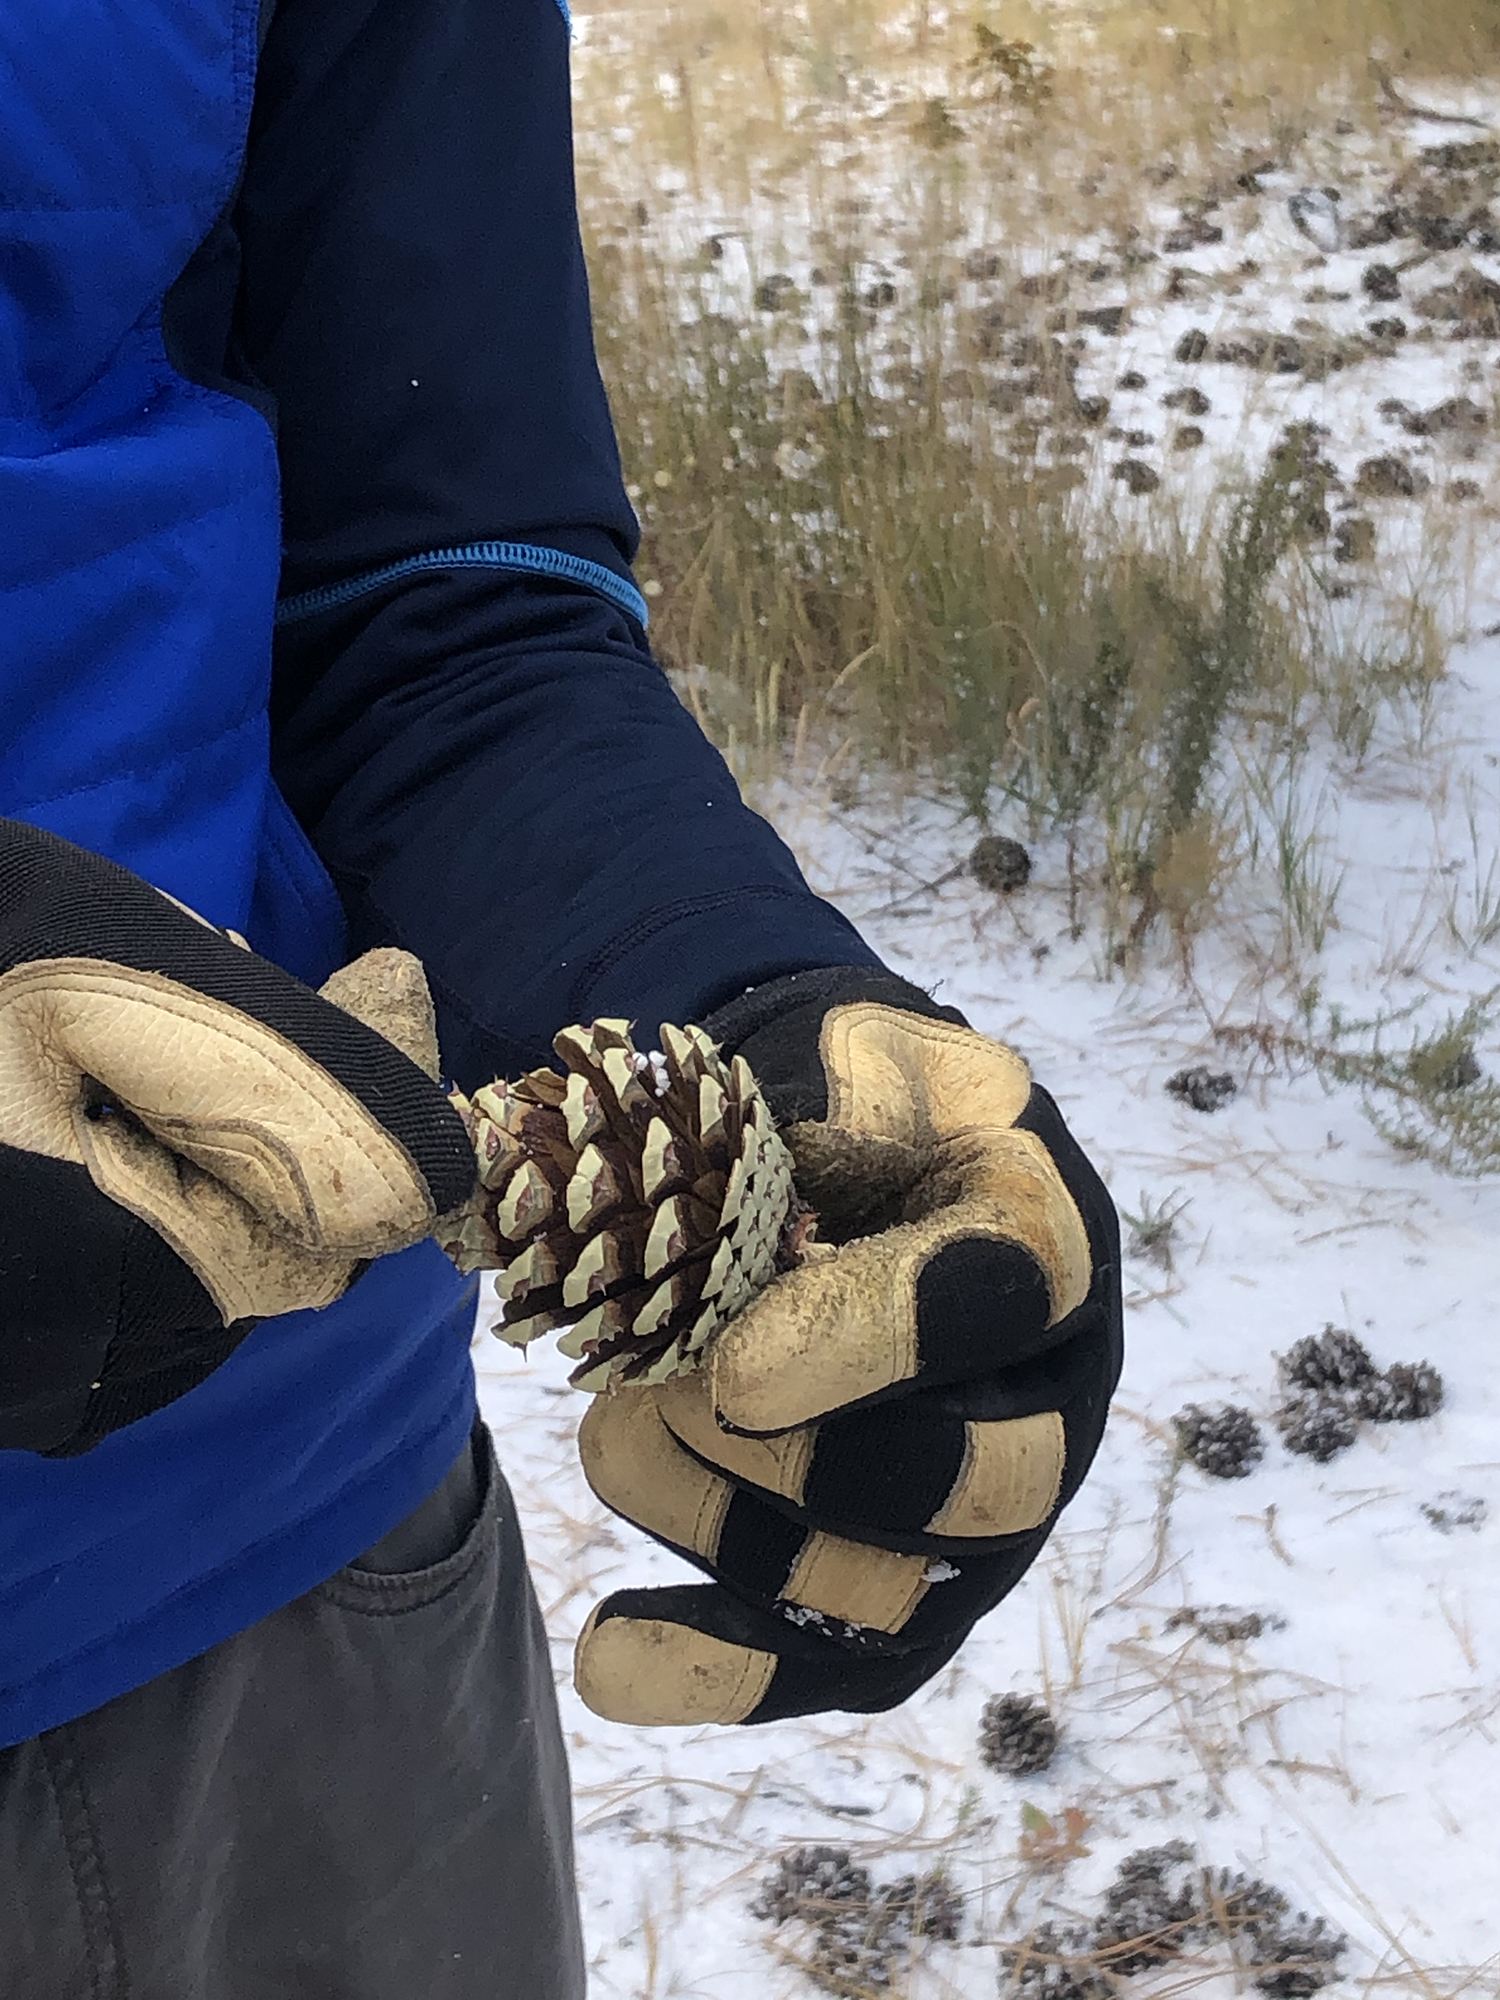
190, 1140
881, 1443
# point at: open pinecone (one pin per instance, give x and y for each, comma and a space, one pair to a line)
640, 1200
1017, 1734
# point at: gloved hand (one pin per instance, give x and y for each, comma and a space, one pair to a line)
881, 1443
190, 1140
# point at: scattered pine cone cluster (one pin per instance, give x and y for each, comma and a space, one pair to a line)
1226, 1443
1330, 1385
1017, 1734
638, 1200
858, 1934
1161, 1903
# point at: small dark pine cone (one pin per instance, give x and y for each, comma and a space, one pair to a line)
1332, 1359
1460, 1073
1017, 1734
1148, 1908
999, 864
1404, 1394
924, 1906
1238, 1902
808, 1883
1225, 1443
1203, 1088
1052, 1965
1316, 1427
1296, 1956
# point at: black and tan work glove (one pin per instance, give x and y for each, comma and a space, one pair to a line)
877, 1448
190, 1140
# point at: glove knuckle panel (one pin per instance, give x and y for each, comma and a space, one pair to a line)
888, 1468
758, 1549
855, 1583
1011, 1477
982, 1303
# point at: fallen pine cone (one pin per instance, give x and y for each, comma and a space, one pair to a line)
641, 1201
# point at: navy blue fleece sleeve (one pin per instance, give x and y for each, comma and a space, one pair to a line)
468, 719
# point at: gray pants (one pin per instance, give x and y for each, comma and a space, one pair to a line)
364, 1797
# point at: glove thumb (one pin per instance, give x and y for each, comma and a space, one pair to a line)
387, 990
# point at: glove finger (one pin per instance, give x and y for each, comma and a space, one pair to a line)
913, 1475
387, 990
999, 1258
101, 1317
639, 1470
869, 1598
691, 1654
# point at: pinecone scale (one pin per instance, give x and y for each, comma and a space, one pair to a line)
639, 1200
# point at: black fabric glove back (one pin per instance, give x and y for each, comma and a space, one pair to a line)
190, 1140
881, 1444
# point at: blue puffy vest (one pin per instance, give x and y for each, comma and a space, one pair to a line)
139, 552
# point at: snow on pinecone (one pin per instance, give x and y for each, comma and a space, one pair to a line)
1317, 1426
1332, 1359
1226, 1443
1404, 1394
640, 1200
808, 1882
1148, 1908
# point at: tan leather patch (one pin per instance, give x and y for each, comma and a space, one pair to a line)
903, 1077
1009, 1480
249, 1267
653, 1673
828, 1335
635, 1465
860, 1584
778, 1465
841, 1331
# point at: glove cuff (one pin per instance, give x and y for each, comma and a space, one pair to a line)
775, 1027
760, 1007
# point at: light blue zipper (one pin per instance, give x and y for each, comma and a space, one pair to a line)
523, 557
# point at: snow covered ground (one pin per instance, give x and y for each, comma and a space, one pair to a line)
1349, 1753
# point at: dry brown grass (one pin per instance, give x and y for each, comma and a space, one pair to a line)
851, 549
